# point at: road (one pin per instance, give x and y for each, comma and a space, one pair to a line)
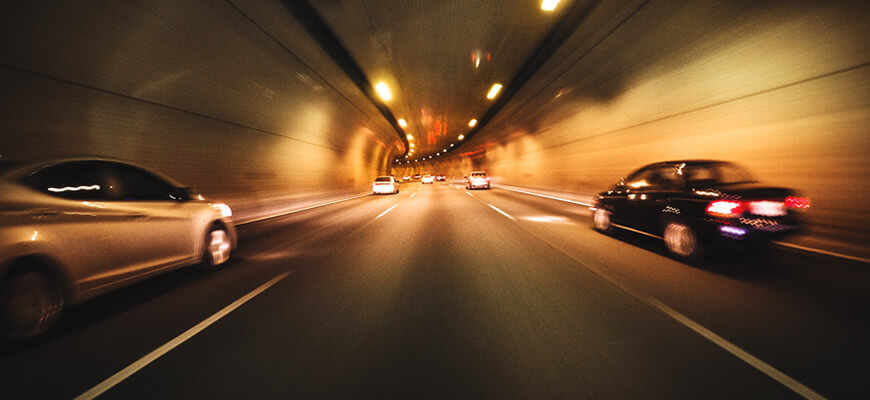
440, 292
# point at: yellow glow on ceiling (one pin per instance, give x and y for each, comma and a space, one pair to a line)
493, 91
384, 91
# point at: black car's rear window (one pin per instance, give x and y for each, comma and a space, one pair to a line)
721, 173
382, 179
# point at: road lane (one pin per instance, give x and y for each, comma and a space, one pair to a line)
443, 298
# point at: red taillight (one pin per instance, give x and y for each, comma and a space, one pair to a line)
725, 208
797, 202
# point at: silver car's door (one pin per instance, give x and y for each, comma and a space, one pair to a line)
165, 227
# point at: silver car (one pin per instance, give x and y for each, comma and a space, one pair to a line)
76, 228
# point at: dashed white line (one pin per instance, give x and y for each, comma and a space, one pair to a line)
160, 351
412, 195
762, 366
501, 212
385, 212
469, 194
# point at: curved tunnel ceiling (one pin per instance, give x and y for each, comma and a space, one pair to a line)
439, 87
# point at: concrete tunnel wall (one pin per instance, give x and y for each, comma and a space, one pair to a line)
782, 88
232, 98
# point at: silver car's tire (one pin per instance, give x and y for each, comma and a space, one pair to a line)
30, 304
681, 240
218, 247
601, 220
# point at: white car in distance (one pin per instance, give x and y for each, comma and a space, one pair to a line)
427, 179
385, 185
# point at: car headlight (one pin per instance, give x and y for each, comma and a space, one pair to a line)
225, 210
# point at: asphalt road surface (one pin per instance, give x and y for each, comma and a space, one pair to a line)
439, 292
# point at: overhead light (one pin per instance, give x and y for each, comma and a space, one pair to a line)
412, 145
410, 136
493, 91
383, 91
445, 150
460, 137
549, 5
451, 144
472, 123
402, 123
438, 154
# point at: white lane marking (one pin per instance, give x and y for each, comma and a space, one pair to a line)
281, 214
762, 366
157, 353
548, 197
469, 194
820, 251
637, 231
385, 212
502, 212
412, 195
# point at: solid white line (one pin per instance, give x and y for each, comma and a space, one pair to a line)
469, 194
281, 214
502, 212
548, 197
385, 212
637, 231
154, 355
765, 368
412, 195
820, 251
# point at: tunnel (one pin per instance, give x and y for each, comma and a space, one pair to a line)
288, 113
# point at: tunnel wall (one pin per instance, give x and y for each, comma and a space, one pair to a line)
782, 88
230, 97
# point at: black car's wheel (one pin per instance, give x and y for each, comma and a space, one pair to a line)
682, 241
217, 247
30, 303
601, 220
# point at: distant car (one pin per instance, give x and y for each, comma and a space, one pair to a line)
428, 179
406, 178
73, 229
695, 204
416, 176
385, 184
440, 178
477, 179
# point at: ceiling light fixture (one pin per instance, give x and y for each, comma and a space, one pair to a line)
493, 91
472, 123
384, 91
402, 123
460, 137
410, 137
549, 5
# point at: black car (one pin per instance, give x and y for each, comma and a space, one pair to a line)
696, 204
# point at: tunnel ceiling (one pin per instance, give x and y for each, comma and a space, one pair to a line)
439, 58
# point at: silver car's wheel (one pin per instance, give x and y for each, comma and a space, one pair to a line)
601, 220
217, 247
30, 304
681, 240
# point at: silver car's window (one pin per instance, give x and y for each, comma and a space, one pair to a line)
135, 184
71, 180
478, 174
383, 179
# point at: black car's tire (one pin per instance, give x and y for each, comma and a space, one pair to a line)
601, 220
30, 304
218, 247
682, 241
